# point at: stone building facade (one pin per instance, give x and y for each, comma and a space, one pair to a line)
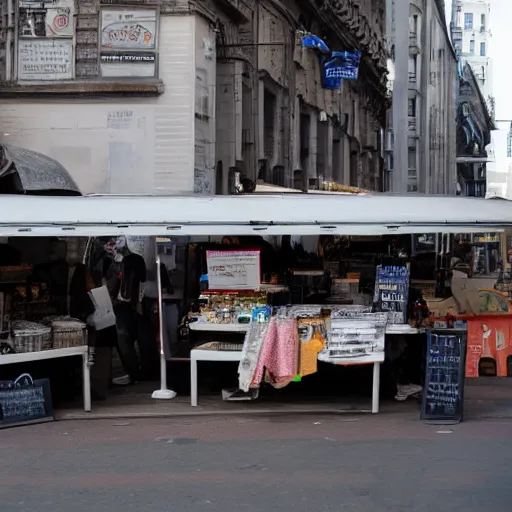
474, 128
172, 96
423, 115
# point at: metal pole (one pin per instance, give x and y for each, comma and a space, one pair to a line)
163, 393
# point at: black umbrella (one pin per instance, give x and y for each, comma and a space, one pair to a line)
27, 172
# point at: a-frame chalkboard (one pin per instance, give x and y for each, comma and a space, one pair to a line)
443, 391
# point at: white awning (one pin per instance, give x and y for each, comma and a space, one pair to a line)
301, 214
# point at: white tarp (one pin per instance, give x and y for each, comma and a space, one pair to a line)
301, 214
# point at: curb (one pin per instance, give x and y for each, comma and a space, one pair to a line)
236, 412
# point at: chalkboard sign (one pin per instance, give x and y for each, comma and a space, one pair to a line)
443, 391
25, 401
391, 292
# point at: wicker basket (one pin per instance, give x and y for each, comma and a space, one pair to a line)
31, 337
68, 333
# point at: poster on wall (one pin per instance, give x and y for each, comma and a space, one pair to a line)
46, 18
59, 21
128, 29
233, 270
45, 59
128, 42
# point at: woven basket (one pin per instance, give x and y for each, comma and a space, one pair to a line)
68, 333
31, 337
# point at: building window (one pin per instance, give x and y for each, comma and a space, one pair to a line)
411, 107
128, 42
45, 42
468, 21
482, 22
411, 160
482, 49
412, 187
472, 47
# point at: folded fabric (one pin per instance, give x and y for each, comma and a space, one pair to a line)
278, 361
251, 354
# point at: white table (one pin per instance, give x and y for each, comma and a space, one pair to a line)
54, 354
242, 328
226, 356
223, 355
207, 355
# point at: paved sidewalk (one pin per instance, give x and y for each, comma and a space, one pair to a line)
484, 398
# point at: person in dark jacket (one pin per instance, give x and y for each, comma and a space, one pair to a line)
128, 309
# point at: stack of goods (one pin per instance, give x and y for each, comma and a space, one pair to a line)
231, 308
30, 337
354, 336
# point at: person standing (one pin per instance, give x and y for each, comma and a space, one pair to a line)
128, 309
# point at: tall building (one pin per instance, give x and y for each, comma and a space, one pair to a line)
471, 38
173, 96
422, 117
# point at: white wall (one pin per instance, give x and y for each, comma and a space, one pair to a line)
120, 146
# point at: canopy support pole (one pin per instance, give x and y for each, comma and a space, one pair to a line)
163, 393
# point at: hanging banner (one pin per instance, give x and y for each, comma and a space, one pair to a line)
233, 270
341, 66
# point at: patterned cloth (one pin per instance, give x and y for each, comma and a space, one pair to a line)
278, 361
251, 354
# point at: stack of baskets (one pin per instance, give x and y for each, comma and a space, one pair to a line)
31, 337
68, 333
58, 332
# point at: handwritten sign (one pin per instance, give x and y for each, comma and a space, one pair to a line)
443, 394
45, 59
391, 292
233, 270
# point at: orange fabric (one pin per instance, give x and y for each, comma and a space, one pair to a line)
309, 351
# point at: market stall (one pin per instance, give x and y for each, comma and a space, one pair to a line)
36, 302
299, 215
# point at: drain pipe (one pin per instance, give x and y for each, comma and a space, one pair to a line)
9, 41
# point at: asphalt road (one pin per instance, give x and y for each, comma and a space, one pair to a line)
285, 463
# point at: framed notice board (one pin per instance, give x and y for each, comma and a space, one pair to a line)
392, 292
443, 391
